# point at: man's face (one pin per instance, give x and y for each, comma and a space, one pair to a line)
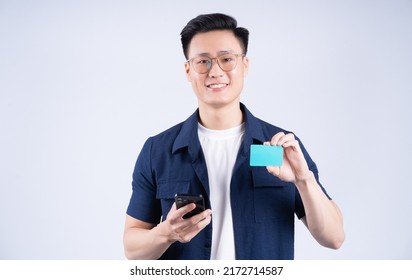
216, 88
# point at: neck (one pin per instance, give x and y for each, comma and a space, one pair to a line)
221, 118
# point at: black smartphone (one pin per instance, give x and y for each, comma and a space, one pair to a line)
184, 199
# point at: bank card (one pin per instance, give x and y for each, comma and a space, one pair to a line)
265, 155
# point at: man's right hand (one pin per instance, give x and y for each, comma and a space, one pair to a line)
143, 240
175, 228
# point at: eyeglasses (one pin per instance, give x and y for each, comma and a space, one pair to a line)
227, 62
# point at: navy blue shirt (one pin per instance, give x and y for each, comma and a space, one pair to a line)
263, 206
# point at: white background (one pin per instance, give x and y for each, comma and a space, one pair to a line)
84, 83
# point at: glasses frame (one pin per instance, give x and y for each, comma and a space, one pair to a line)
216, 59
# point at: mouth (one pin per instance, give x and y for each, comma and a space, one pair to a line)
217, 86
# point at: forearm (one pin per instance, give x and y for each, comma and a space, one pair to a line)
323, 218
146, 244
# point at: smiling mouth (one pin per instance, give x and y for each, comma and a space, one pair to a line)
213, 86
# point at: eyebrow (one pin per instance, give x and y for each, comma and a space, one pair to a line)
218, 53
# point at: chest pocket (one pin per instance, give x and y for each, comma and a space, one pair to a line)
166, 194
274, 199
167, 190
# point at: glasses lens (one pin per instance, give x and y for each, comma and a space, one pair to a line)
201, 64
227, 62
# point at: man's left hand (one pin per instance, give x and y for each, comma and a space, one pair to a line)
294, 168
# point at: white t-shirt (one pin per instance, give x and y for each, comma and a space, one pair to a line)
220, 148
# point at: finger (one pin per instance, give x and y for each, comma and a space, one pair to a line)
291, 143
192, 231
204, 221
294, 144
179, 213
197, 218
171, 211
274, 170
178, 225
286, 138
194, 225
276, 138
201, 216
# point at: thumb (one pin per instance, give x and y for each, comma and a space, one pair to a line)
274, 170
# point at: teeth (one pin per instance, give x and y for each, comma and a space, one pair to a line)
217, 85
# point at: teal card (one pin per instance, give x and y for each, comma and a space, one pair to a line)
264, 155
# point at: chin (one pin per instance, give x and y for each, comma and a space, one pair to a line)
220, 103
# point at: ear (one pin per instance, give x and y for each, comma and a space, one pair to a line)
187, 70
245, 64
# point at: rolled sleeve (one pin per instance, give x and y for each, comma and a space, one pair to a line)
143, 204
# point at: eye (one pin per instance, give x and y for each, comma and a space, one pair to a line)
203, 61
227, 59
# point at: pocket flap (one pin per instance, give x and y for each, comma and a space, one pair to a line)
262, 178
167, 190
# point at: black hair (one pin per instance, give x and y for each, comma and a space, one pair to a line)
211, 22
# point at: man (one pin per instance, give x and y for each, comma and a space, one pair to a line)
208, 154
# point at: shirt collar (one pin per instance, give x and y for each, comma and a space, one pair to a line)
188, 134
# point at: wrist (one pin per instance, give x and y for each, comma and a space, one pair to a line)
305, 181
163, 235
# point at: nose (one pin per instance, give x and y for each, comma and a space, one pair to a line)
215, 70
